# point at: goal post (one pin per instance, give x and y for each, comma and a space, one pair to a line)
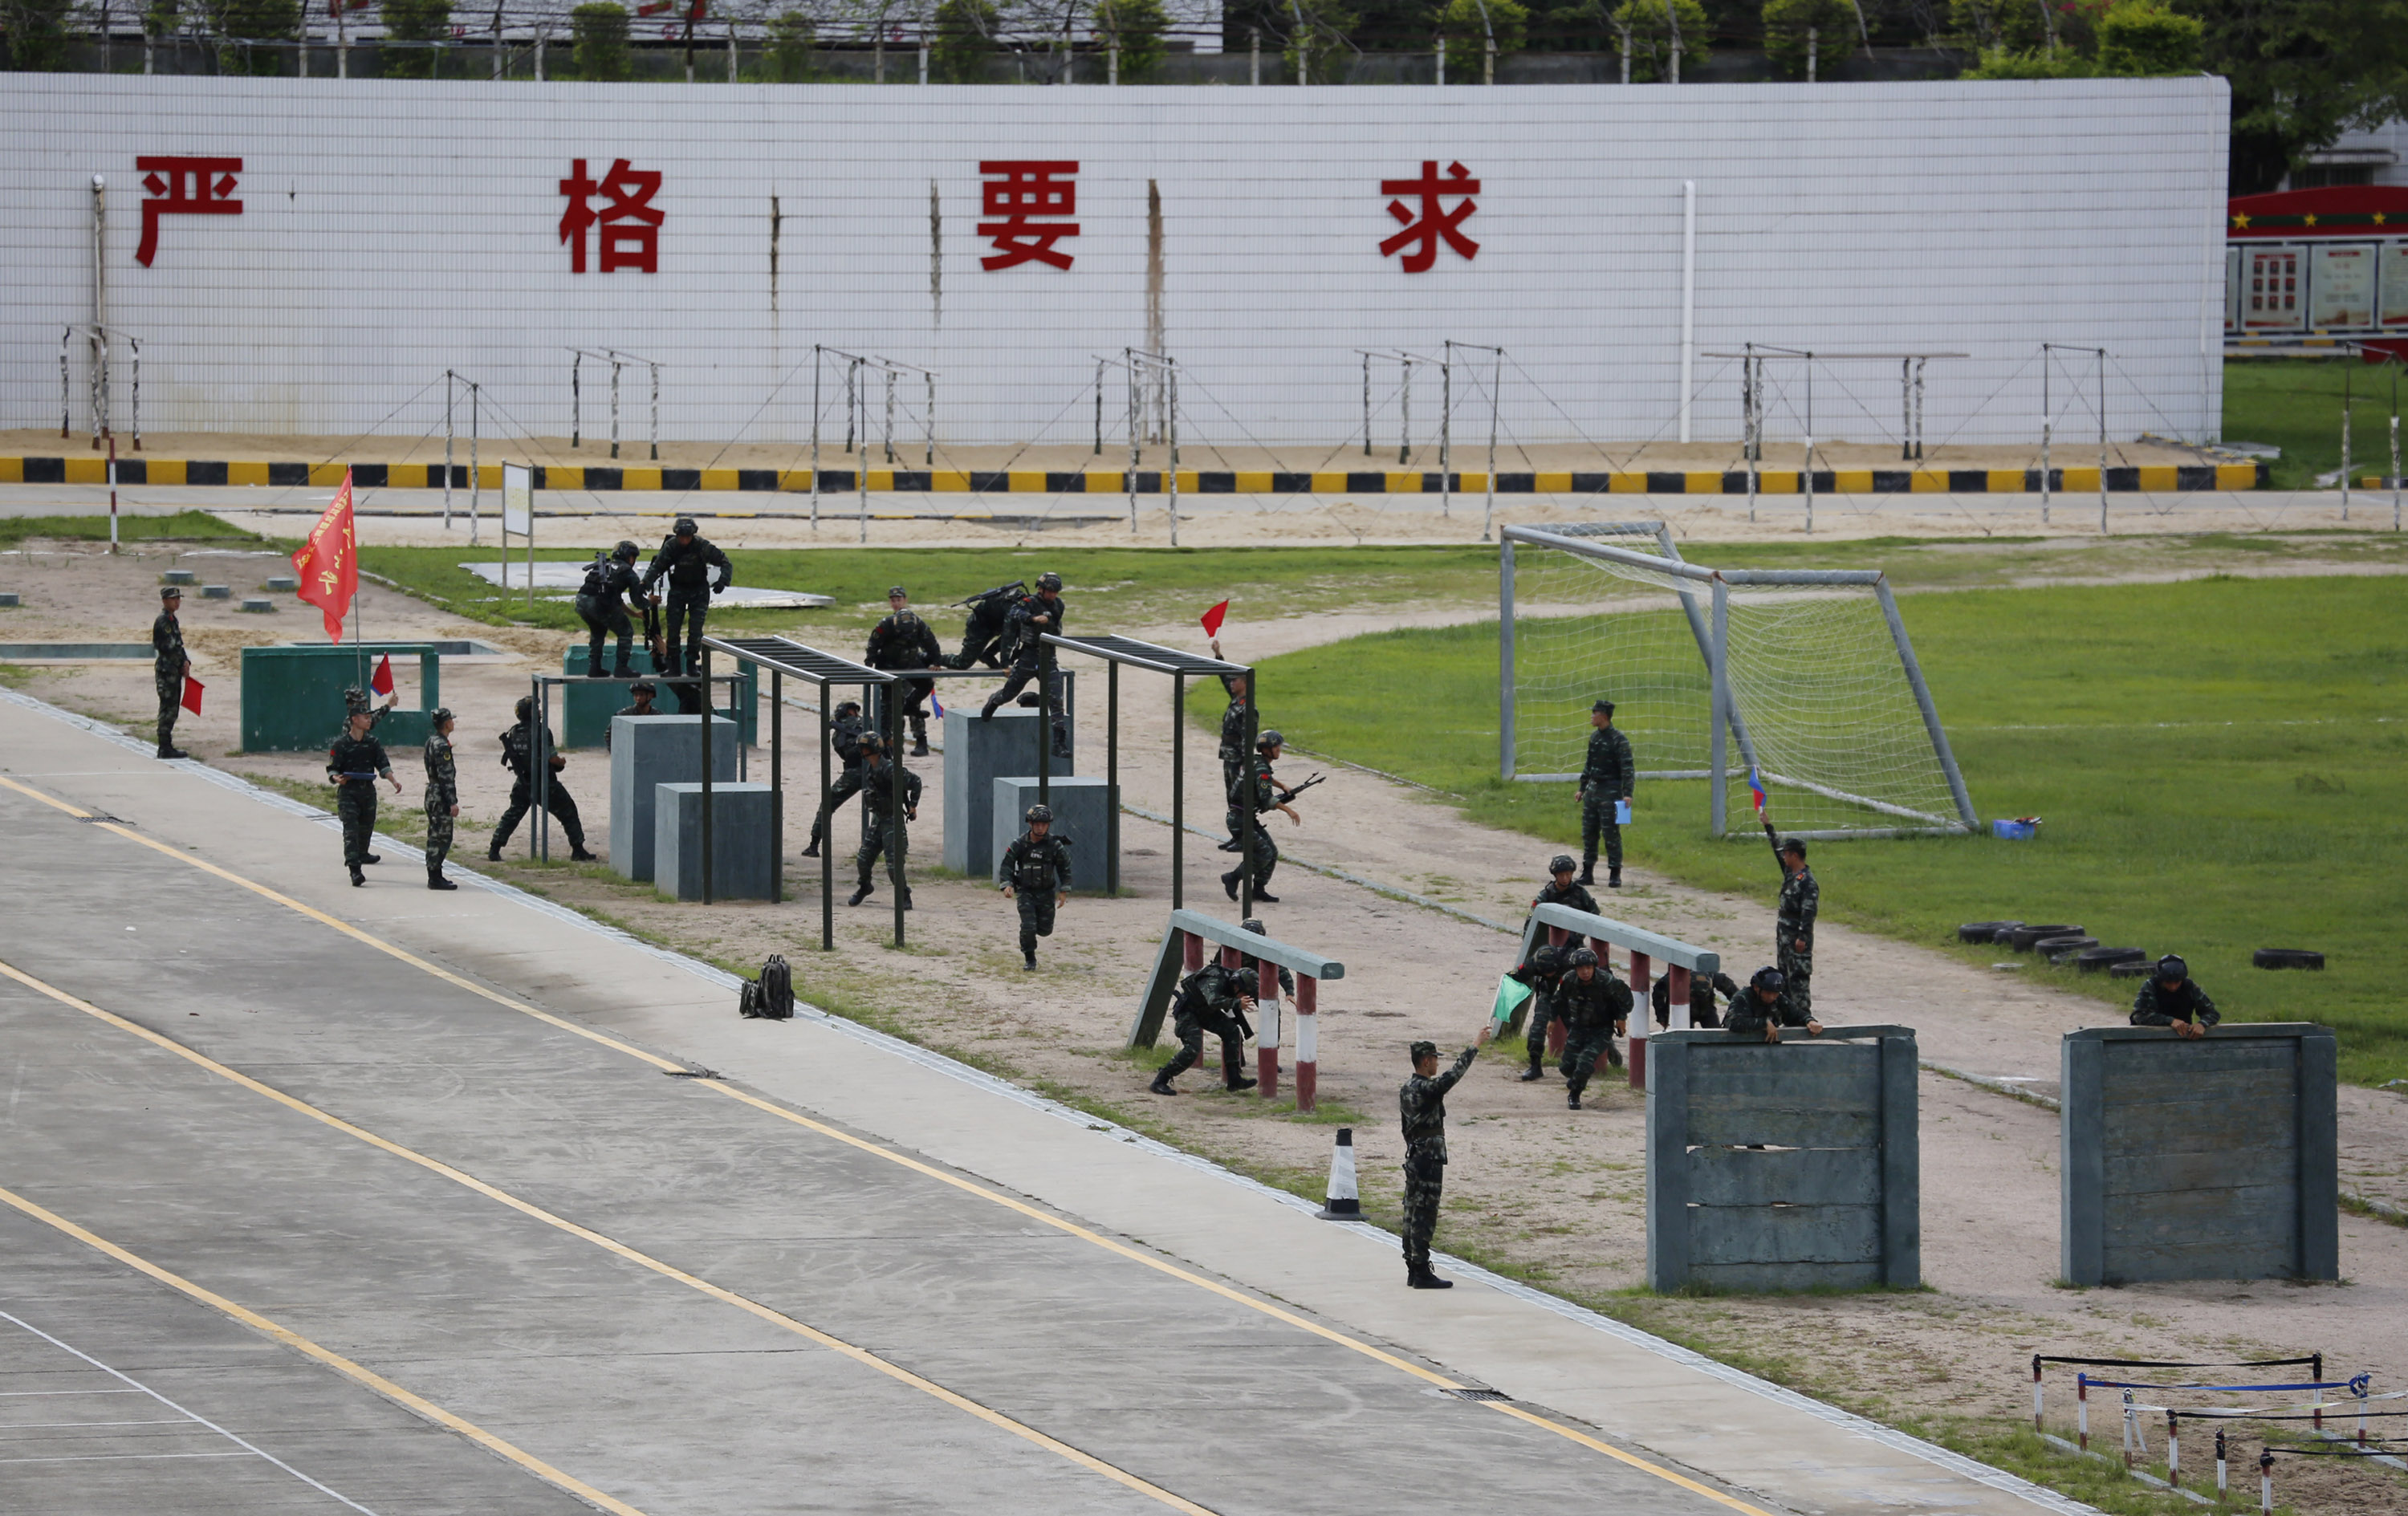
1803, 677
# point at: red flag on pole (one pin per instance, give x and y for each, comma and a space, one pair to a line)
1214, 617
192, 694
327, 564
381, 680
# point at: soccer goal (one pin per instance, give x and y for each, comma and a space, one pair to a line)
1803, 677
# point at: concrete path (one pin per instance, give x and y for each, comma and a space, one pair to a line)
424, 1143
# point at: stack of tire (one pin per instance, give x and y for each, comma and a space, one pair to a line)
2060, 942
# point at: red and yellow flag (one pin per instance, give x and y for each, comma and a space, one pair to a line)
328, 564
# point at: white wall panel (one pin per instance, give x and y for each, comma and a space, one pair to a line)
393, 230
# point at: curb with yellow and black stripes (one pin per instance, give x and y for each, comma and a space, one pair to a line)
195, 471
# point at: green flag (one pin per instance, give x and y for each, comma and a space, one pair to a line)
1511, 993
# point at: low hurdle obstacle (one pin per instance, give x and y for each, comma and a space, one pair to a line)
1561, 924
1182, 953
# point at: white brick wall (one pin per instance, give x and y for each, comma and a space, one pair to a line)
392, 230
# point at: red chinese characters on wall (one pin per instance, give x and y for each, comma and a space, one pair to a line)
1434, 224
1017, 194
627, 229
183, 186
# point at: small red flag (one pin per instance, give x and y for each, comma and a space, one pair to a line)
326, 565
381, 680
1214, 617
192, 694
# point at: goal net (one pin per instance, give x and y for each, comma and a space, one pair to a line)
1818, 695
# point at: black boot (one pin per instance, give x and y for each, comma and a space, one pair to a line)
593, 666
858, 895
1573, 1094
1589, 872
986, 713
358, 878
1230, 846
1161, 1084
813, 851
576, 852
620, 670
1029, 957
434, 880
1614, 878
494, 853
1422, 1278
372, 858
169, 750
1532, 1073
1241, 1083
919, 736
1264, 897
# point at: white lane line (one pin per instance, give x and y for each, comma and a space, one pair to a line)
249, 1450
43, 1426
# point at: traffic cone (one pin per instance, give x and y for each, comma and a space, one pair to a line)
1343, 1203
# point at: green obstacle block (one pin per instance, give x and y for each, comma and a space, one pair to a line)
216, 591
293, 697
181, 576
581, 711
258, 607
283, 582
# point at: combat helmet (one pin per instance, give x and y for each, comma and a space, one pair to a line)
684, 527
1037, 813
1561, 864
1271, 738
1582, 958
1049, 581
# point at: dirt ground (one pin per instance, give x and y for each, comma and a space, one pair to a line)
1550, 1194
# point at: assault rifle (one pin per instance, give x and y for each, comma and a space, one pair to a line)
1287, 794
653, 643
983, 597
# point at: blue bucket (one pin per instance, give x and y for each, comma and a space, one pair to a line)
2014, 830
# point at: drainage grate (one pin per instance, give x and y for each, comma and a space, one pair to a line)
1480, 1395
104, 816
693, 1073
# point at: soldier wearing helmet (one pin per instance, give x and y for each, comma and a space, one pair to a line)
1565, 890
2169, 999
641, 696
903, 640
1261, 855
1595, 1008
847, 738
602, 603
1543, 973
1767, 1006
686, 560
524, 746
1035, 871
1032, 620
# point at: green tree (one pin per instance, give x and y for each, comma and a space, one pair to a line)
964, 41
2302, 72
1787, 24
1989, 25
417, 24
35, 33
2030, 63
1650, 30
1466, 29
598, 42
1320, 36
1136, 27
245, 24
2143, 38
789, 59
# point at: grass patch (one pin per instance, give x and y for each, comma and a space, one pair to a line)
183, 526
2222, 764
2296, 403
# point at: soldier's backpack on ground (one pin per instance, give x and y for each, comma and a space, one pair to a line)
770, 997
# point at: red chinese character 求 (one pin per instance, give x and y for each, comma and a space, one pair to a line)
1026, 189
629, 228
1435, 221
191, 187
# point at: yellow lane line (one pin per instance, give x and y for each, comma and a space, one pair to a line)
609, 1244
966, 1186
333, 1360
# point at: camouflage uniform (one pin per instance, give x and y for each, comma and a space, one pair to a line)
904, 641
168, 664
1749, 1015
1030, 653
1208, 1002
354, 764
1607, 777
887, 831
1702, 1005
1593, 1011
1574, 895
1037, 869
1260, 852
1542, 973
687, 566
2156, 1006
846, 736
1801, 899
1233, 742
521, 751
442, 793
984, 631
1421, 1101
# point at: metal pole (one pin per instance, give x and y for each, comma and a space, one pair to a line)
2395, 470
1366, 405
446, 474
1405, 416
888, 440
894, 798
1495, 396
656, 395
1689, 271
2103, 442
1242, 803
827, 836
1807, 476
1905, 409
1505, 659
67, 334
707, 714
1938, 734
776, 779
540, 753
477, 481
1112, 778
929, 420
1446, 433
1178, 788
1918, 408
576, 360
1099, 408
860, 489
1718, 672
815, 469
135, 397
614, 404
1129, 478
2046, 427
1173, 368
2344, 441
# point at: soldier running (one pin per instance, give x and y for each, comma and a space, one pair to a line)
1263, 856
1035, 871
1032, 620
1215, 998
354, 764
602, 603
2170, 998
1595, 1008
1605, 779
524, 746
1543, 974
904, 641
687, 561
884, 831
1801, 900
1421, 1103
169, 666
442, 798
849, 738
983, 630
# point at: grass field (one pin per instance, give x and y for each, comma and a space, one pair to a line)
2296, 403
2222, 764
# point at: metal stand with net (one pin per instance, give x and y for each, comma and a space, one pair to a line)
1802, 678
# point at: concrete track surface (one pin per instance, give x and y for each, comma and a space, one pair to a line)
316, 1198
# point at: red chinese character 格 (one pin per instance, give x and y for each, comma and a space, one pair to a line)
190, 187
1435, 221
1017, 191
628, 228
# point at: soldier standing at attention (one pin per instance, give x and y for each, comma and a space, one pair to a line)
354, 764
524, 746
1543, 973
1032, 620
641, 693
168, 667
1215, 998
1607, 777
687, 560
442, 798
1802, 899
1595, 1008
602, 606
1263, 857
2169, 999
884, 831
849, 739
904, 641
1036, 872
1764, 1007
1422, 1104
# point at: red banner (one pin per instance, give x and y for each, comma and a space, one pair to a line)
1213, 618
192, 694
381, 680
328, 564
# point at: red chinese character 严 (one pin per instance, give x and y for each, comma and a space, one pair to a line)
1023, 190
1435, 222
629, 228
193, 187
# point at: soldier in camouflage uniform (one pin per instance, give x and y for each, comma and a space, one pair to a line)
524, 746
354, 764
904, 641
642, 694
1703, 1011
1035, 871
2170, 998
1421, 1102
1764, 1007
1606, 777
1233, 734
1262, 857
1565, 890
884, 831
442, 798
1031, 621
847, 738
1801, 898
168, 667
1595, 1008
1542, 973
1215, 998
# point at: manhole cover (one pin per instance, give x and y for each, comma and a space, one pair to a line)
104, 816
691, 1073
1480, 1395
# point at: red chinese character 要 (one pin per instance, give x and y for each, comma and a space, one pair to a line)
190, 187
1435, 222
626, 228
1019, 191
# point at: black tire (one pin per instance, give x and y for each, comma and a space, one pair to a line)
1981, 931
2286, 958
2099, 960
2131, 968
2003, 930
2064, 949
2022, 938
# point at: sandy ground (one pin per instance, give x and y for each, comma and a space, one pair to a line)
1553, 1194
